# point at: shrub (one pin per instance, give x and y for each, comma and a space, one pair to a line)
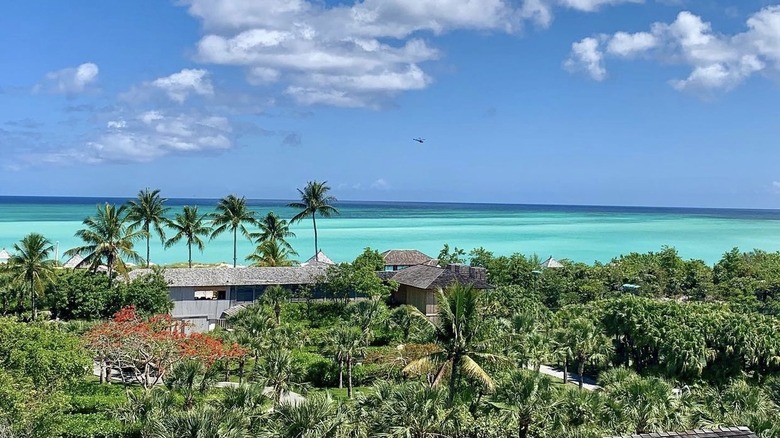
316, 369
95, 425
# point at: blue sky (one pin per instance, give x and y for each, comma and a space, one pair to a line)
617, 102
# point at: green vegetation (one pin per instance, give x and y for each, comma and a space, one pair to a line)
649, 342
314, 200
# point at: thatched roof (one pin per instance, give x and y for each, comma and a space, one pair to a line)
73, 262
742, 432
251, 276
319, 259
405, 257
551, 263
433, 277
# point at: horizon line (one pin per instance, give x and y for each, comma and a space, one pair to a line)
414, 202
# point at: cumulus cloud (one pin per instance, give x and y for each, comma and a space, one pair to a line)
179, 86
69, 81
716, 61
585, 55
148, 136
352, 53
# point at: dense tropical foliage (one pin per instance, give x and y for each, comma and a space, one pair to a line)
648, 342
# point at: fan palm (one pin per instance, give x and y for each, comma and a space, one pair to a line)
188, 225
527, 398
271, 253
457, 334
31, 265
314, 200
317, 416
232, 214
147, 212
108, 240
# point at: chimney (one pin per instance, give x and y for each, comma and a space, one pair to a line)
478, 273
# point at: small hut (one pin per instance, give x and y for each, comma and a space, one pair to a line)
4, 256
318, 260
551, 263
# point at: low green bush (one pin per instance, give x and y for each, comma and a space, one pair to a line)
94, 425
316, 369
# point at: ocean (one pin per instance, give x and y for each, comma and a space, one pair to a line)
579, 233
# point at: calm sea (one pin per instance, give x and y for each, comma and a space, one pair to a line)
581, 233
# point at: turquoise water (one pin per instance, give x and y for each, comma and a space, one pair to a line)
579, 233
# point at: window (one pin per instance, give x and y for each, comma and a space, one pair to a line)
221, 294
205, 295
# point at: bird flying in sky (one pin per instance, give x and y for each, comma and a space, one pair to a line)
419, 140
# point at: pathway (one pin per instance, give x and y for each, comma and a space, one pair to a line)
588, 382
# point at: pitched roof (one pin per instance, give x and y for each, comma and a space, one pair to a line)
433, 277
4, 255
551, 263
405, 257
251, 276
73, 262
318, 259
742, 432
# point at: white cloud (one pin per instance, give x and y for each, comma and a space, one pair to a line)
69, 81
149, 136
586, 55
352, 53
178, 86
716, 61
380, 184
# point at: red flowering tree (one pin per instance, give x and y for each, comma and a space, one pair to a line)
143, 350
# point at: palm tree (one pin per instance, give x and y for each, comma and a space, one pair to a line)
189, 225
31, 264
527, 398
348, 343
278, 373
274, 228
275, 296
316, 416
271, 253
232, 213
457, 334
147, 211
314, 200
108, 240
587, 344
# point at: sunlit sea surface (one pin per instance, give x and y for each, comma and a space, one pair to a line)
580, 233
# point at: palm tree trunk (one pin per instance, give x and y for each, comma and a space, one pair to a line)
581, 370
316, 248
341, 373
235, 236
565, 370
454, 377
148, 238
32, 296
189, 253
349, 377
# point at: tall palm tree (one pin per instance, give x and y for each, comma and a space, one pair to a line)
232, 214
31, 264
107, 240
457, 334
188, 225
271, 253
314, 200
274, 228
147, 212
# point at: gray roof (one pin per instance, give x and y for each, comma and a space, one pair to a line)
743, 432
251, 276
318, 259
73, 262
551, 263
405, 257
434, 277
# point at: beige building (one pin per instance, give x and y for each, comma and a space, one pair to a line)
417, 285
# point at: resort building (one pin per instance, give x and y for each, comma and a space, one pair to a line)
4, 256
417, 285
398, 259
202, 296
